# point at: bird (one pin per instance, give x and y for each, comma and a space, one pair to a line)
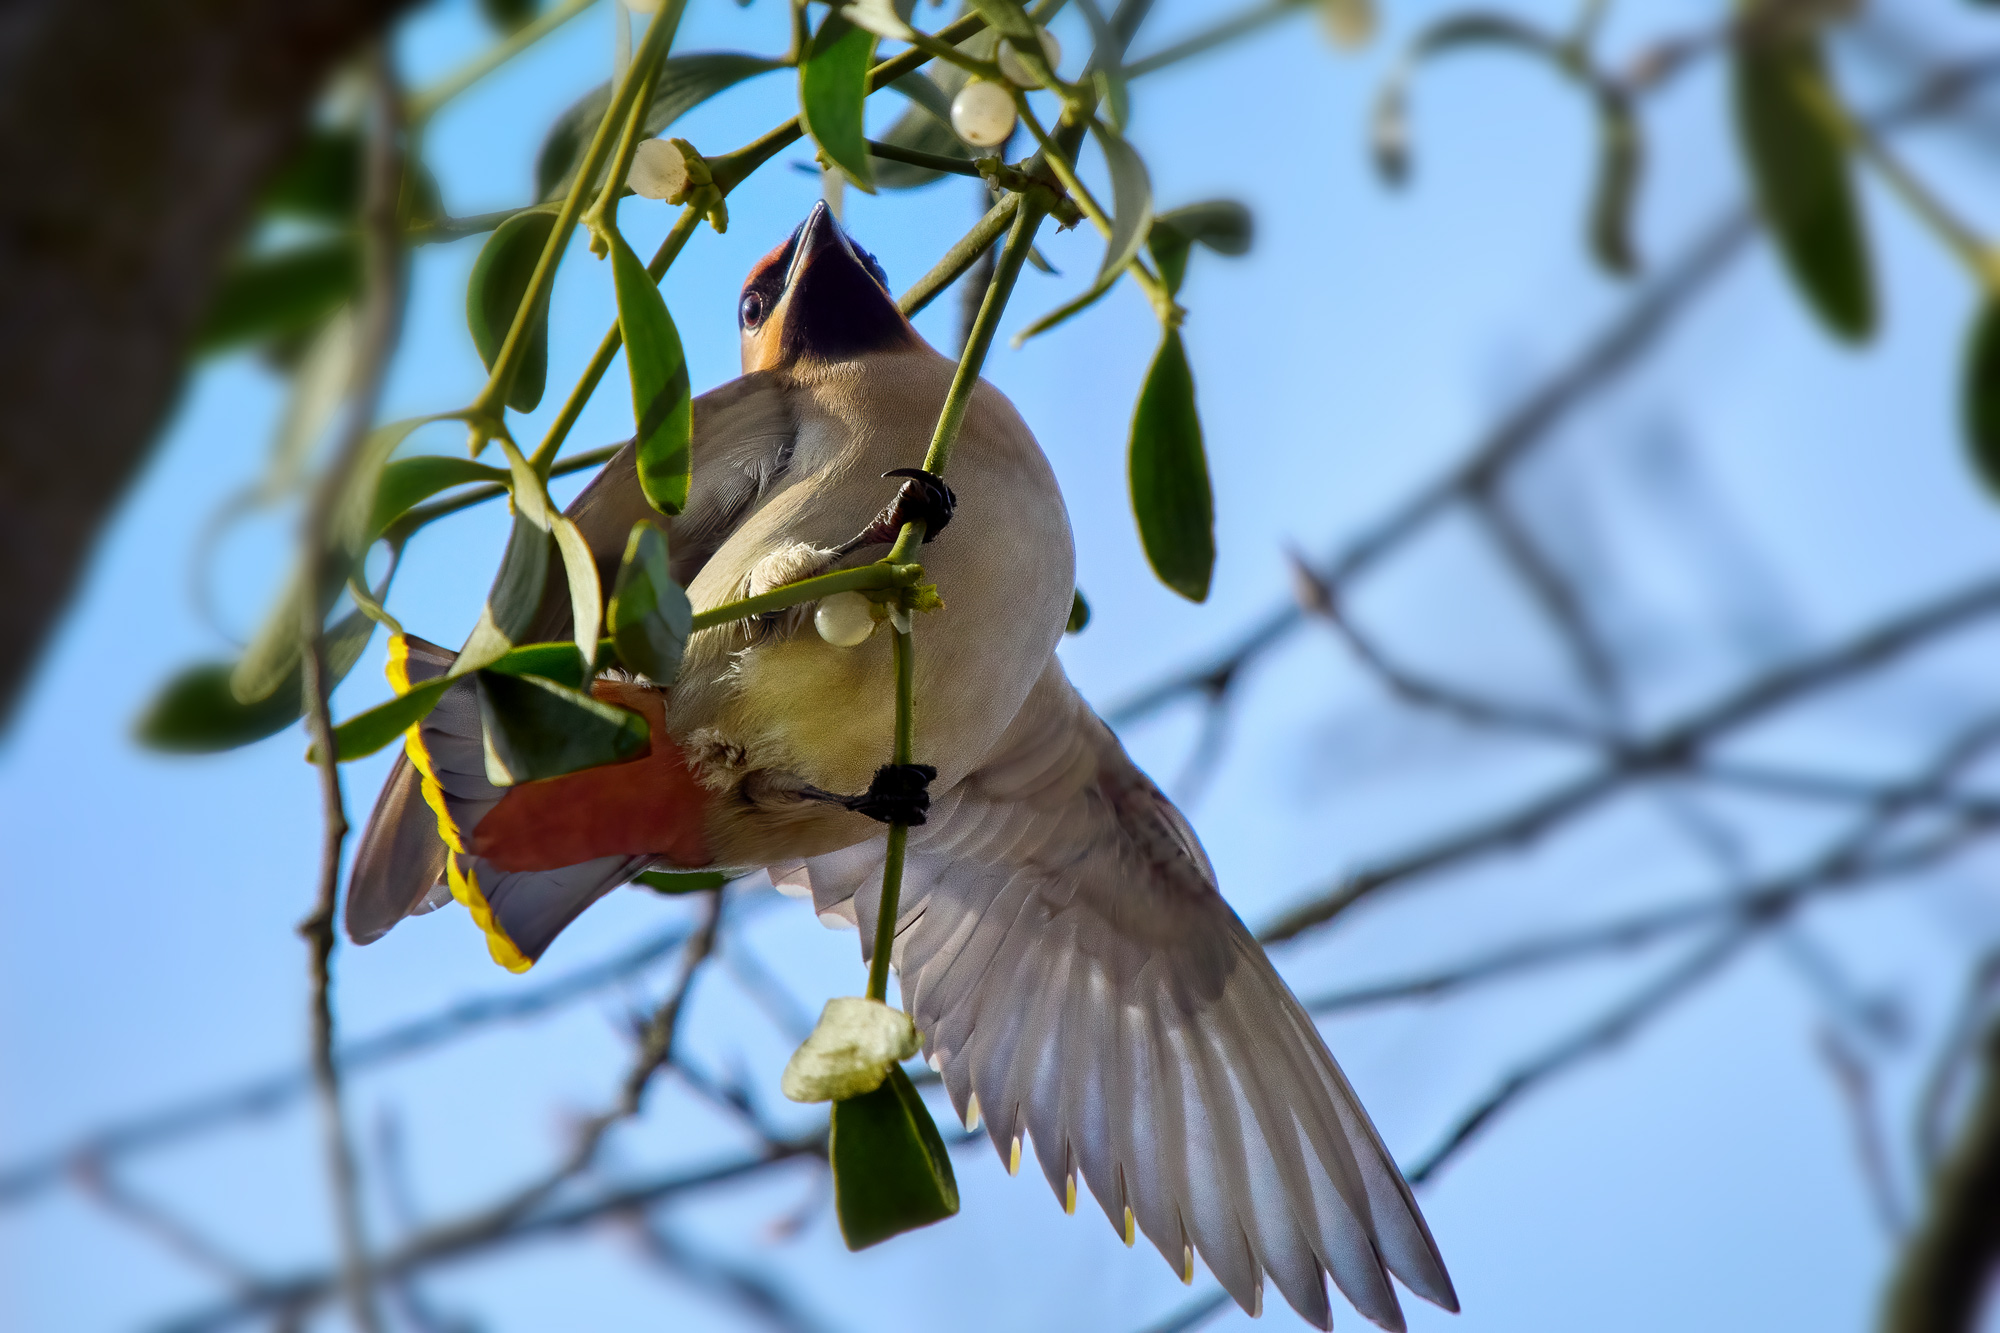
1061, 944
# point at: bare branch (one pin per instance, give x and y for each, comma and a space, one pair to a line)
1603, 359
1945, 1272
96, 1180
272, 1092
1191, 1315
1600, 1035
1955, 1054
1849, 860
1672, 749
482, 1233
380, 325
752, 1291
1856, 1084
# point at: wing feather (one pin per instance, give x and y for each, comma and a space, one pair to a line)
1074, 972
743, 433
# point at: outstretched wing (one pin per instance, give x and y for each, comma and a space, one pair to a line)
1063, 949
743, 433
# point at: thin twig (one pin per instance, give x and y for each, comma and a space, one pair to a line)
1856, 1085
1191, 1315
1603, 359
1671, 749
270, 1093
96, 1180
1850, 859
1318, 599
483, 1233
1594, 1038
753, 1292
380, 325
1955, 1055
656, 1048
1561, 603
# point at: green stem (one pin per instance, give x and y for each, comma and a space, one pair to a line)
877, 577
1027, 220
1952, 232
603, 215
1052, 153
730, 171
607, 348
957, 166
899, 834
423, 515
432, 99
487, 408
1227, 30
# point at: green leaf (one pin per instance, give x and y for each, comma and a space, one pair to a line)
1799, 167
891, 1172
661, 403
321, 181
1008, 19
1981, 394
922, 87
515, 597
354, 522
197, 713
586, 596
684, 83
1389, 123
672, 883
1620, 160
1071, 308
280, 295
273, 652
1170, 254
1107, 72
1169, 475
408, 482
880, 17
650, 616
1079, 612
1223, 225
555, 661
833, 90
365, 733
925, 128
535, 728
499, 280
319, 385
1131, 198
274, 649
508, 16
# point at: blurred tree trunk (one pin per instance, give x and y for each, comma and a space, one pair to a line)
134, 137
1946, 1270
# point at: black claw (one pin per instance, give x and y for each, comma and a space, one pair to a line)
924, 499
898, 794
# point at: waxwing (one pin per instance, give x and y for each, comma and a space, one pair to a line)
1061, 944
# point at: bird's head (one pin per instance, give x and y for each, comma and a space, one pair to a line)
818, 295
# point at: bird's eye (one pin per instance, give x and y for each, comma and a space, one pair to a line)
752, 309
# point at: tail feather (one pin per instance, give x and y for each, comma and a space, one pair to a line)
422, 832
400, 861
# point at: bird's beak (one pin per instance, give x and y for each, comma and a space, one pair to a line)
819, 296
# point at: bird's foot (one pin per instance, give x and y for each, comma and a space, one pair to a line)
898, 794
923, 498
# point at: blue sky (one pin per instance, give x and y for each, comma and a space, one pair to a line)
1701, 1176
